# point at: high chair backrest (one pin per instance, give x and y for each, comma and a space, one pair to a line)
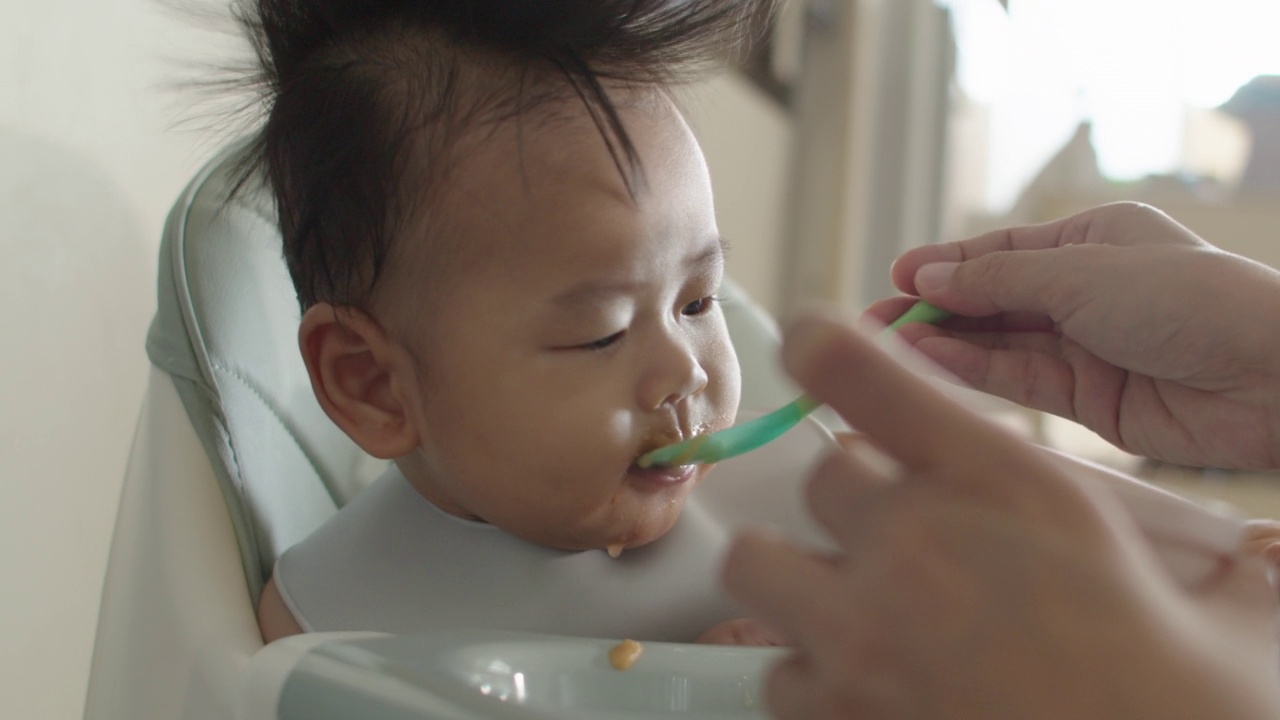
226, 332
229, 415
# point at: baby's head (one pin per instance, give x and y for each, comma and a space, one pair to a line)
502, 235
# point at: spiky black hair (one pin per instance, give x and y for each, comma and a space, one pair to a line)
353, 88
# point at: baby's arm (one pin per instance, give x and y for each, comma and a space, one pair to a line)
274, 618
743, 631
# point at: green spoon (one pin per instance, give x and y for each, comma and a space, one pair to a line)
734, 441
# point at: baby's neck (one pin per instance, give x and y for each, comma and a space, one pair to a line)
419, 472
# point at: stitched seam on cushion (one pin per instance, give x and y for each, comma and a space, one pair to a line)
243, 499
257, 392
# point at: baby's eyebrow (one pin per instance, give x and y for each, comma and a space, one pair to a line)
592, 293
712, 255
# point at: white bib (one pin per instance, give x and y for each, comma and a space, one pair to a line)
391, 561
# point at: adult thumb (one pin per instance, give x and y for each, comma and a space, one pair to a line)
1034, 281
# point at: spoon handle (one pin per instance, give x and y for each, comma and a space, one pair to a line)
705, 449
921, 312
732, 441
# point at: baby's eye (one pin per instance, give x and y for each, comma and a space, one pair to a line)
603, 342
699, 306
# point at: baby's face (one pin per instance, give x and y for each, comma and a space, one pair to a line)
575, 329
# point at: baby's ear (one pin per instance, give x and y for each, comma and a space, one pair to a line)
357, 376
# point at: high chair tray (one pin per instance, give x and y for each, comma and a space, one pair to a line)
469, 675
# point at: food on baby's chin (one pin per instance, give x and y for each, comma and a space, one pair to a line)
614, 550
624, 654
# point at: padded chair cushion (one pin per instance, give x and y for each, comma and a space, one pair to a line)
226, 331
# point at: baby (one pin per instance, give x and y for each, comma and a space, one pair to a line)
502, 236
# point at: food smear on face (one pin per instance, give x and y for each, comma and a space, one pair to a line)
625, 654
614, 550
694, 446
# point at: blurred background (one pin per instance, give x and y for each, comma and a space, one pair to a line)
862, 128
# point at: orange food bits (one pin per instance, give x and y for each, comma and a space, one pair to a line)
625, 654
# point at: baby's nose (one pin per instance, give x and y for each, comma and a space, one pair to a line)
675, 374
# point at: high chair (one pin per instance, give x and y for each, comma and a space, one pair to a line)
233, 461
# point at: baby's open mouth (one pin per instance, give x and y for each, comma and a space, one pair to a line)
690, 441
662, 476
684, 454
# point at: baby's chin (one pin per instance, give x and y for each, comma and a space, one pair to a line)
636, 514
627, 524
643, 526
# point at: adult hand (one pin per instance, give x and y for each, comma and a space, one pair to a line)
744, 632
1118, 318
979, 580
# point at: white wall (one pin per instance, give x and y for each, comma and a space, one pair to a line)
88, 169
747, 141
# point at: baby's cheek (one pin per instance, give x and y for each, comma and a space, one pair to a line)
724, 411
726, 380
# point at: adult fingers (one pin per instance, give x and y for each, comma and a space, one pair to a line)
911, 421
890, 309
1259, 535
1245, 594
1117, 224
988, 336
791, 690
846, 492
763, 572
1028, 237
1034, 377
915, 424
1053, 282
1036, 369
886, 311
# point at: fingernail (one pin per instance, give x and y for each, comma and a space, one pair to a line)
1272, 553
935, 276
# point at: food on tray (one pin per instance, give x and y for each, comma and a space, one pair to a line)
624, 654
